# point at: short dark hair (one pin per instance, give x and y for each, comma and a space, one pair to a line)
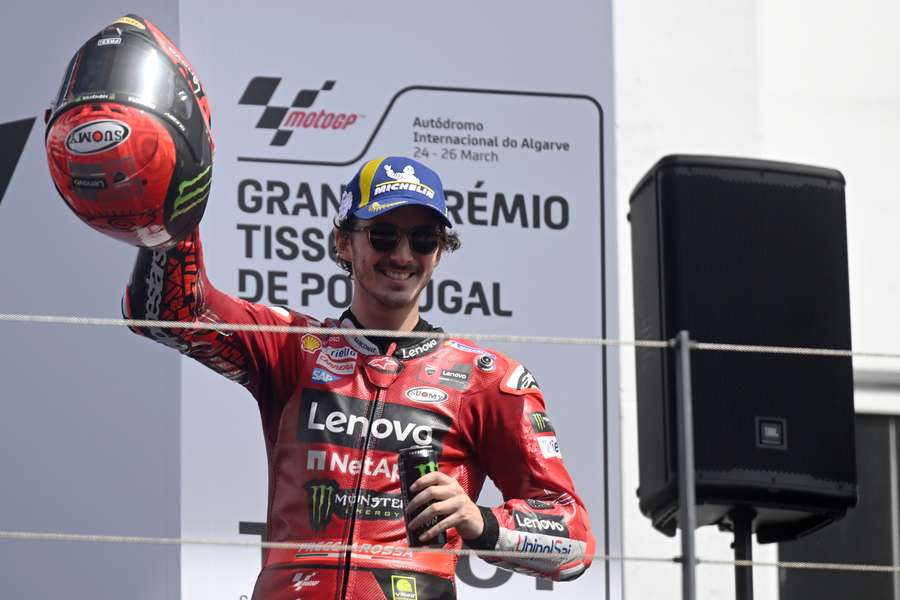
449, 240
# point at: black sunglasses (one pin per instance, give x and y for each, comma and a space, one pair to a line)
384, 237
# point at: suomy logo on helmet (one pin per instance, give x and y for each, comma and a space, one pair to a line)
285, 119
97, 136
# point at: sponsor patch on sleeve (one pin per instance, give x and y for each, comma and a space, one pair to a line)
549, 446
519, 380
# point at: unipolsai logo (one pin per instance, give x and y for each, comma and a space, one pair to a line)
284, 120
97, 136
320, 500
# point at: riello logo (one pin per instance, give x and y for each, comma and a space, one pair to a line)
97, 136
301, 114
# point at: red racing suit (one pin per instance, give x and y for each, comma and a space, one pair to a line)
336, 409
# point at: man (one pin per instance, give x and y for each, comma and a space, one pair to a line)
336, 409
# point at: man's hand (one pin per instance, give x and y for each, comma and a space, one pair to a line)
450, 503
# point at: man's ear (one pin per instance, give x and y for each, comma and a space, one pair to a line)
342, 241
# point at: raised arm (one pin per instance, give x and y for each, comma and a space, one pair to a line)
171, 285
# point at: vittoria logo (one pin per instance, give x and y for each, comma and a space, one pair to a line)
284, 120
97, 136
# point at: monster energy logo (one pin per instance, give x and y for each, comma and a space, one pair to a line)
541, 423
192, 192
321, 502
429, 467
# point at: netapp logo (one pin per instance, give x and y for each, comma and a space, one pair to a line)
285, 119
321, 460
548, 524
326, 417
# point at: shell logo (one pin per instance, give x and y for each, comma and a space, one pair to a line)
310, 343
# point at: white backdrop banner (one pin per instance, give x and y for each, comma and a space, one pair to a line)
512, 105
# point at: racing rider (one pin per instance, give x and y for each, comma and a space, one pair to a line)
336, 409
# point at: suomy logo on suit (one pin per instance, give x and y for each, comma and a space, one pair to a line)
284, 120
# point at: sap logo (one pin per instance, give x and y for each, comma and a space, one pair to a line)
427, 395
323, 376
549, 446
339, 422
97, 136
321, 460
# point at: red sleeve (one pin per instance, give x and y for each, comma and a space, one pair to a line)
541, 513
171, 285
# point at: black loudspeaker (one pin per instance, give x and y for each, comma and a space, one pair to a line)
745, 251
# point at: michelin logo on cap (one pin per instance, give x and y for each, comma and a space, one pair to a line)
404, 180
383, 184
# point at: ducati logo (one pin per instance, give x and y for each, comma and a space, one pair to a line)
97, 136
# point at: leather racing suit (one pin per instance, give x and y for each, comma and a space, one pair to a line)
335, 411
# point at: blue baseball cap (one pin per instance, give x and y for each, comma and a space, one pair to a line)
383, 184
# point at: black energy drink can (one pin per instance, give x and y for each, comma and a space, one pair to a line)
414, 463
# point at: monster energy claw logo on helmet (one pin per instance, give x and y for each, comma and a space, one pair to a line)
321, 496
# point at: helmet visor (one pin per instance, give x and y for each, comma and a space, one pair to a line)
131, 69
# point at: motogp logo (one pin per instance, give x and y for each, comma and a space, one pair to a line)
97, 136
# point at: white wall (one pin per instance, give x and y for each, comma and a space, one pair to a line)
801, 81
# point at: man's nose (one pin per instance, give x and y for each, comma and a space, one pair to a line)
402, 252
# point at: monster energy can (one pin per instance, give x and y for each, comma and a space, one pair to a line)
414, 463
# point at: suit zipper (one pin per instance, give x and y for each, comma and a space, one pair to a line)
373, 408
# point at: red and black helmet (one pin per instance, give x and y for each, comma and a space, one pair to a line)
128, 137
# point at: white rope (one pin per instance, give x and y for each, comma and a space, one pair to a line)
141, 323
331, 547
490, 337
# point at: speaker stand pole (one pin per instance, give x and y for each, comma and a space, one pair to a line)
686, 490
742, 520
